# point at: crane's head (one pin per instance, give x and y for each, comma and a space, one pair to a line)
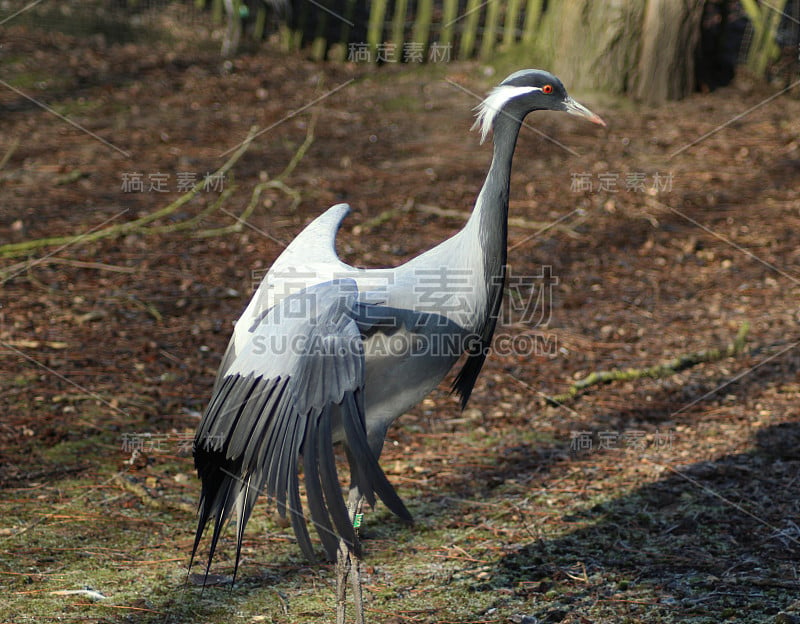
523, 92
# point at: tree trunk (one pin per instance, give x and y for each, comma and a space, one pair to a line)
670, 34
643, 48
595, 44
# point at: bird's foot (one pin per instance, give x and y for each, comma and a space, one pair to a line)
342, 572
347, 565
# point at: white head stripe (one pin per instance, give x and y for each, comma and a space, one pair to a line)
491, 106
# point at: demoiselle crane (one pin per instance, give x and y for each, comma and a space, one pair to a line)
328, 353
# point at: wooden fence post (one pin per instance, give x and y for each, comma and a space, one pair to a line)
469, 31
489, 29
449, 14
422, 24
375, 27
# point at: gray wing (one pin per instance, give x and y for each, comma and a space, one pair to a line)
299, 377
310, 256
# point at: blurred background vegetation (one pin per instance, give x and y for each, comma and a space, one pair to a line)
652, 50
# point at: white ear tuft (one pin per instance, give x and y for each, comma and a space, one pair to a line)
491, 106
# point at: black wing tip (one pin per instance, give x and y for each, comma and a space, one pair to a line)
467, 376
220, 489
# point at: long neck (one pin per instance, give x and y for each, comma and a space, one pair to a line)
489, 220
487, 230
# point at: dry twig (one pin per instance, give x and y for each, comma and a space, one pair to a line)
142, 224
658, 371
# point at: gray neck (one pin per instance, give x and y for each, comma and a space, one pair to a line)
490, 217
487, 231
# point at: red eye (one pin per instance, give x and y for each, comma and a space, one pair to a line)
547, 89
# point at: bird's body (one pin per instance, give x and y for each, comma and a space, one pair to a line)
326, 352
418, 311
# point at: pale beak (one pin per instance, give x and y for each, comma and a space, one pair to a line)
574, 108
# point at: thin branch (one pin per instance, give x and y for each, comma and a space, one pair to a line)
658, 371
12, 250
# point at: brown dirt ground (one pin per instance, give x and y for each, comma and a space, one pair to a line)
123, 335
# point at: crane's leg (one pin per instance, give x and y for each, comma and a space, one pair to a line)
355, 573
347, 564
